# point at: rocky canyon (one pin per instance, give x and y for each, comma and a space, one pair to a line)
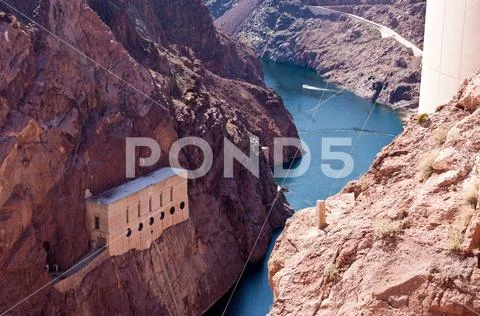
403, 239
344, 51
76, 78
79, 77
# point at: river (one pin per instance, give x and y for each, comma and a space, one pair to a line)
343, 115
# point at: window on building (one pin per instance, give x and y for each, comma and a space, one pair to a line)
171, 194
152, 220
139, 212
126, 215
172, 210
129, 232
161, 199
150, 204
182, 205
140, 227
162, 215
97, 222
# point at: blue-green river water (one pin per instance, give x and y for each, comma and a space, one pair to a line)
343, 115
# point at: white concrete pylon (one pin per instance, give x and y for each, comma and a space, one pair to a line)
451, 48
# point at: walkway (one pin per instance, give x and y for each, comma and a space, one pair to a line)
80, 266
386, 32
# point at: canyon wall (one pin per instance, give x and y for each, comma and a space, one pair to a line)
72, 87
218, 8
410, 243
345, 52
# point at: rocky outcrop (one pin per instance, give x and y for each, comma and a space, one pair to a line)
408, 246
108, 70
218, 8
345, 52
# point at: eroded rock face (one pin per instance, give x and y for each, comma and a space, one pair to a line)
343, 51
218, 8
64, 120
408, 245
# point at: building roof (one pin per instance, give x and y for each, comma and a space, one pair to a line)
134, 186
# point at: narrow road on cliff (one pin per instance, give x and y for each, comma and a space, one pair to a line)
386, 32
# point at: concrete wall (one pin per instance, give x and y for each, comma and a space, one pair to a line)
159, 197
450, 55
76, 279
100, 211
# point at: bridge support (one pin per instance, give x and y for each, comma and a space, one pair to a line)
450, 54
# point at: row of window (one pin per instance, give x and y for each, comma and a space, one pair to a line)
152, 219
162, 216
139, 214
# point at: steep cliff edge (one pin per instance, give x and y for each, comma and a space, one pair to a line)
160, 70
407, 246
345, 52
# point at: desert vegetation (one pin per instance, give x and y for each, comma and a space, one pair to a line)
426, 164
330, 272
386, 228
422, 118
470, 193
441, 136
461, 222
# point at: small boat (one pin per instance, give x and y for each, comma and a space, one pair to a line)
308, 87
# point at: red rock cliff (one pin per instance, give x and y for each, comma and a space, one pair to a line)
64, 120
408, 246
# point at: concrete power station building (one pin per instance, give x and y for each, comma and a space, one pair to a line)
136, 213
451, 48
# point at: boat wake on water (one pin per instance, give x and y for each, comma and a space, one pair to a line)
312, 88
